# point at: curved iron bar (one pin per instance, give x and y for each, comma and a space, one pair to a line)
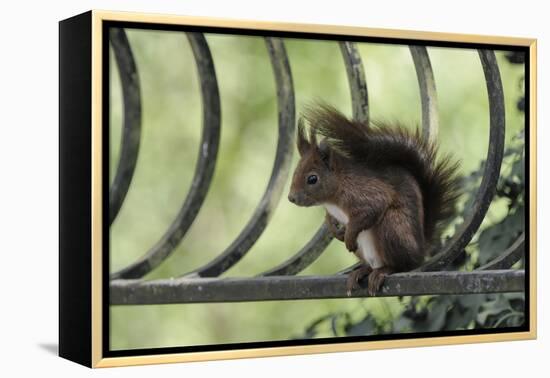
360, 107
131, 131
428, 93
204, 169
487, 188
357, 81
286, 118
428, 98
509, 257
349, 269
305, 257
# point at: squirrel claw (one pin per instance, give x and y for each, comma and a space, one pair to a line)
351, 245
355, 276
376, 279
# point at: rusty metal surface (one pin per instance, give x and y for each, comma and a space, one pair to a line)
356, 80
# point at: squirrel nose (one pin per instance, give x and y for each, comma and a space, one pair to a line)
292, 198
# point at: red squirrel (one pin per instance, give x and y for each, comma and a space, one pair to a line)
385, 192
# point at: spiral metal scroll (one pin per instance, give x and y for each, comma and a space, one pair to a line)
257, 224
204, 169
360, 107
428, 93
491, 173
131, 133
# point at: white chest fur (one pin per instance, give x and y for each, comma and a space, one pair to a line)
337, 213
365, 239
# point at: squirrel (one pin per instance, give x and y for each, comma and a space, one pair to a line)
385, 192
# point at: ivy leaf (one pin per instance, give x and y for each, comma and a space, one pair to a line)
367, 326
518, 170
336, 326
402, 324
311, 331
492, 309
437, 312
495, 239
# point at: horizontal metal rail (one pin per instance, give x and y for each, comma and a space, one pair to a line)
202, 290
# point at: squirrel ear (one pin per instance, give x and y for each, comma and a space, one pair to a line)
325, 152
302, 142
312, 137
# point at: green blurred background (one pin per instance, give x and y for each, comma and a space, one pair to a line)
171, 130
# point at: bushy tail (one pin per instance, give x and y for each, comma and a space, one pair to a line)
380, 144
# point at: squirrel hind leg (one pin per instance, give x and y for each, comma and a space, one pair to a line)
401, 246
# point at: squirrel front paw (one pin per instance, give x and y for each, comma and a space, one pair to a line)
351, 241
336, 229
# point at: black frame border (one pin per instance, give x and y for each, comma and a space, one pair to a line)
106, 352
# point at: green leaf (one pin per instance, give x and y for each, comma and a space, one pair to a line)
367, 326
495, 239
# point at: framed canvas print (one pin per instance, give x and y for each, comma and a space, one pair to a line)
234, 189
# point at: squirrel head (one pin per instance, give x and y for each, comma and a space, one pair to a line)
314, 181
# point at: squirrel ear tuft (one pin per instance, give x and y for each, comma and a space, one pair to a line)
312, 137
302, 142
325, 152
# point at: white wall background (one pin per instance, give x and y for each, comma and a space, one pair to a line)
29, 189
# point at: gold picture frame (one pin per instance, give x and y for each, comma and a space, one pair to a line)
82, 265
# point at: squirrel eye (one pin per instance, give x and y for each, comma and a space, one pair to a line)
312, 179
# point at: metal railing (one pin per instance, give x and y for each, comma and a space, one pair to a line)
127, 286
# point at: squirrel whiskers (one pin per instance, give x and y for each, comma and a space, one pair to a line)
384, 188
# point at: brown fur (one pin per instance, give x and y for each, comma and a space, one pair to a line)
383, 177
